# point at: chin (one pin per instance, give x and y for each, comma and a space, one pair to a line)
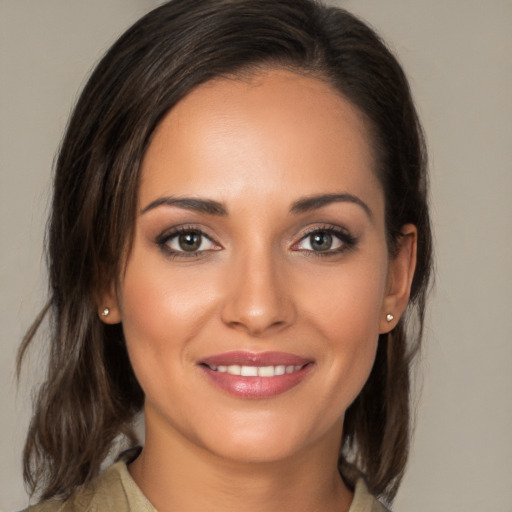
256, 449
269, 440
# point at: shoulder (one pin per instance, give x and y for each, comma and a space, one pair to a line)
45, 506
114, 489
364, 501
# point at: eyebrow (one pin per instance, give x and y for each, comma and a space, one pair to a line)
211, 207
188, 203
310, 203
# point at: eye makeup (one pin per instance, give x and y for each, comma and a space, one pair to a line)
327, 240
186, 242
190, 241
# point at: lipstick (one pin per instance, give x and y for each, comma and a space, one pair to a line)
256, 375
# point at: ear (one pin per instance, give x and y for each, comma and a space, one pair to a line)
108, 306
399, 279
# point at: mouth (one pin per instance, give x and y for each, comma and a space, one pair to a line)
256, 375
256, 371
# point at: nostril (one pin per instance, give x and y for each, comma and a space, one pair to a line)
259, 328
257, 300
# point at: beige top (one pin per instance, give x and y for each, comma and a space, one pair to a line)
115, 490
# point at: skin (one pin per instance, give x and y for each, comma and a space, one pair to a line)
257, 146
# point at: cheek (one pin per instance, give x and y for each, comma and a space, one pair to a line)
156, 302
347, 299
161, 311
345, 307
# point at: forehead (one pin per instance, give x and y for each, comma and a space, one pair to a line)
275, 131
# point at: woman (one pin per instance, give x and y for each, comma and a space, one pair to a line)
239, 239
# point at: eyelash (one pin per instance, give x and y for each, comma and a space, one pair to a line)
348, 241
163, 242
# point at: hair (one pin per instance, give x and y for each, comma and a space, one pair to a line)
90, 394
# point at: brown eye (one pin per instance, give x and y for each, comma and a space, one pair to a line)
190, 241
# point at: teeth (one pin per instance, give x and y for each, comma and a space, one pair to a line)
280, 370
266, 371
234, 369
249, 371
256, 371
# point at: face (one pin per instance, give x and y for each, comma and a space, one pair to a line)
259, 278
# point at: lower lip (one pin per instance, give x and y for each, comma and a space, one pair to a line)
256, 387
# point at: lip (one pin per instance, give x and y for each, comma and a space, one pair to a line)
255, 359
255, 387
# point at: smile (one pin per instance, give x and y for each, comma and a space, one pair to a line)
256, 371
256, 375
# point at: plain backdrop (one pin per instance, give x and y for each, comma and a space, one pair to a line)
458, 55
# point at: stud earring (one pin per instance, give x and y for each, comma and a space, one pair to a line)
389, 317
105, 312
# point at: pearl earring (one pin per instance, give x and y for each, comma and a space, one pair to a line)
389, 317
105, 312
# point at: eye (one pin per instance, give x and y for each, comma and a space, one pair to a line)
326, 240
184, 240
320, 241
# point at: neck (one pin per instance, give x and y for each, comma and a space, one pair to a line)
176, 474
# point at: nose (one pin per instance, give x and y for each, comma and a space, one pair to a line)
259, 299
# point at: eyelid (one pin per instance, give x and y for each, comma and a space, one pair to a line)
348, 241
163, 239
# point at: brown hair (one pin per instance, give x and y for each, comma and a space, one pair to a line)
90, 394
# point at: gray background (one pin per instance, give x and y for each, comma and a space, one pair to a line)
458, 55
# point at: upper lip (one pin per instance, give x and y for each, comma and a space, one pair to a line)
244, 358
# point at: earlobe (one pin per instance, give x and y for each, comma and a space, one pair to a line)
108, 309
399, 281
